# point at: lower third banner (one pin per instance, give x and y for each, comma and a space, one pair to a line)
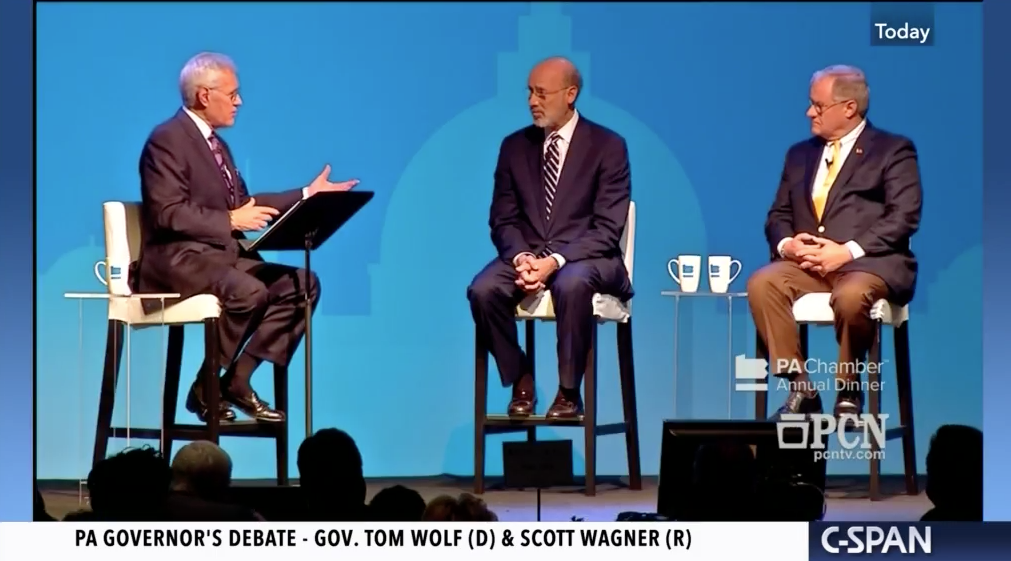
584, 541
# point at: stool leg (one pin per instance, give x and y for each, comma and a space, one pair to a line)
211, 382
480, 410
530, 332
170, 395
626, 373
874, 402
803, 333
904, 383
590, 416
107, 397
281, 438
761, 396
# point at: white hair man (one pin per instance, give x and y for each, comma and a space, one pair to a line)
196, 207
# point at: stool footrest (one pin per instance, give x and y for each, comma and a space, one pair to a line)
197, 432
498, 424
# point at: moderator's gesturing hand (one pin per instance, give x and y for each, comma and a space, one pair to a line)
322, 183
249, 217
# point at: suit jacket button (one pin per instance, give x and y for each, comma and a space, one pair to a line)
821, 229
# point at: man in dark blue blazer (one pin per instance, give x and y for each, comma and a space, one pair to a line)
848, 202
561, 197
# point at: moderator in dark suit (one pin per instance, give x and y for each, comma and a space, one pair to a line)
588, 215
190, 248
841, 222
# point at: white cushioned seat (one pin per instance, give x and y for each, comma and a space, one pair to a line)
814, 308
191, 310
540, 306
123, 242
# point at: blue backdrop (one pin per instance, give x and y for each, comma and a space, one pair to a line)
413, 99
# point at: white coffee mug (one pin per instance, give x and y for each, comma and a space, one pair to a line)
115, 274
685, 271
720, 275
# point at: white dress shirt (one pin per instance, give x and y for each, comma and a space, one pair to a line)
207, 131
846, 144
564, 141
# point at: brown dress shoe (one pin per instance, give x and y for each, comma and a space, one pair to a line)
565, 407
524, 397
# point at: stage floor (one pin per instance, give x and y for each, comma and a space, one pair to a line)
847, 500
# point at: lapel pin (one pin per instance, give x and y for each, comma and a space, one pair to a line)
859, 150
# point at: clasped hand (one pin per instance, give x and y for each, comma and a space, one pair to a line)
531, 273
818, 255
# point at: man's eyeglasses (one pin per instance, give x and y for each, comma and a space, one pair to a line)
233, 96
820, 109
542, 94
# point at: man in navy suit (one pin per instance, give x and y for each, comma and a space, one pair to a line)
560, 202
196, 209
848, 202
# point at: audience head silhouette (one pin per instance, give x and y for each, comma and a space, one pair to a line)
330, 474
203, 469
955, 474
465, 508
131, 485
397, 504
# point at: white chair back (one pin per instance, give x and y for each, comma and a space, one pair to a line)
122, 241
628, 240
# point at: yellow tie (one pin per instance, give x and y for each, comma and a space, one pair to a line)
821, 191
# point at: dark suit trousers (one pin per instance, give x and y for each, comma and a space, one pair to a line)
263, 308
493, 298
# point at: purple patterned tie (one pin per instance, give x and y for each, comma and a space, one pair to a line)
219, 157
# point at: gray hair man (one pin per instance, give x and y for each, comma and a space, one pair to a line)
848, 202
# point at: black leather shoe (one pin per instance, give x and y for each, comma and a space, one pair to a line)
252, 405
849, 403
524, 397
195, 404
799, 403
565, 408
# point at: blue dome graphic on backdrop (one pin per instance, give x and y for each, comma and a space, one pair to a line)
435, 239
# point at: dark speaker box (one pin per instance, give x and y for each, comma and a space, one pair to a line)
682, 440
276, 504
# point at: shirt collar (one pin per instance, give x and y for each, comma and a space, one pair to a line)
851, 136
568, 128
205, 130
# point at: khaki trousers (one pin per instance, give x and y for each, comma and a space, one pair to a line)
773, 289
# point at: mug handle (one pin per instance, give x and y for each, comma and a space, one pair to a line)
672, 272
734, 276
100, 275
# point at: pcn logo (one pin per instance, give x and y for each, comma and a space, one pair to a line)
876, 539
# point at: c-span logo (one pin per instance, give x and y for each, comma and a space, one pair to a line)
876, 539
